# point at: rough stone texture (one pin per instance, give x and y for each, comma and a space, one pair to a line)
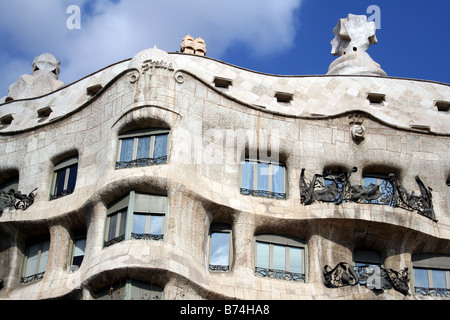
353, 36
201, 178
43, 79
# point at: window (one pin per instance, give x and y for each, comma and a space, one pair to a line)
366, 262
280, 257
431, 273
220, 247
35, 261
10, 184
332, 183
64, 178
143, 148
138, 216
131, 289
263, 179
77, 252
386, 189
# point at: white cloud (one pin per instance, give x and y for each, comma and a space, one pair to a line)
113, 30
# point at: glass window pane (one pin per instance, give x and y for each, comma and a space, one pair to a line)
296, 260
72, 178
123, 222
279, 257
262, 255
156, 224
263, 177
80, 245
112, 226
32, 258
78, 254
277, 179
126, 151
160, 149
60, 178
421, 278
247, 175
220, 249
139, 221
439, 280
44, 256
143, 151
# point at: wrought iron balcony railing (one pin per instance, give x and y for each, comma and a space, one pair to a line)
387, 192
143, 162
280, 274
34, 277
215, 267
263, 193
147, 236
434, 292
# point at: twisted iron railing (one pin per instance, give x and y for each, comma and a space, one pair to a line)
280, 274
387, 192
141, 162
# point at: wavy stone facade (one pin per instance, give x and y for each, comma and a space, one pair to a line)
216, 116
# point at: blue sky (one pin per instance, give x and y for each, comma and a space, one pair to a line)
286, 37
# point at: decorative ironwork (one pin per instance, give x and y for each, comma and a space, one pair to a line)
263, 193
61, 194
114, 240
435, 292
373, 277
34, 277
146, 236
280, 274
17, 200
215, 267
141, 162
388, 192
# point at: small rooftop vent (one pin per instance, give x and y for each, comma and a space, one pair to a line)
222, 82
6, 120
284, 97
443, 106
376, 98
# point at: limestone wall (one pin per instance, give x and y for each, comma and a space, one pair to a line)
211, 131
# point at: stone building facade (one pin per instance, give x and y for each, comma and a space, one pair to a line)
177, 176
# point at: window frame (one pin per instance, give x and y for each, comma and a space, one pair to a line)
132, 205
431, 262
287, 242
225, 229
127, 288
136, 135
364, 262
37, 275
67, 166
269, 194
73, 246
381, 178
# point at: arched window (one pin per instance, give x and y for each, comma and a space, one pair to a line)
365, 262
431, 274
138, 216
280, 257
220, 247
131, 289
35, 261
143, 147
64, 178
263, 179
